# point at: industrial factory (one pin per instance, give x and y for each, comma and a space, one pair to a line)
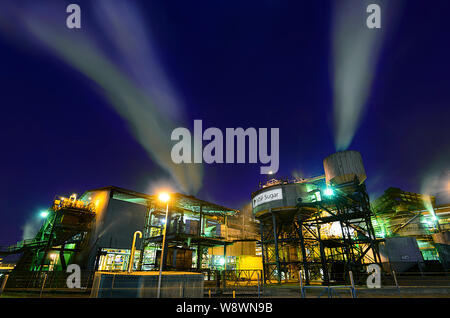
317, 230
325, 227
97, 231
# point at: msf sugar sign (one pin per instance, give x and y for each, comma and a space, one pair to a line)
267, 196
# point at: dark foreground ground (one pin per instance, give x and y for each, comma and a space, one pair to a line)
277, 291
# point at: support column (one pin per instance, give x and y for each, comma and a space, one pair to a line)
322, 257
275, 240
199, 256
225, 256
62, 260
224, 273
141, 255
261, 230
200, 225
165, 242
304, 256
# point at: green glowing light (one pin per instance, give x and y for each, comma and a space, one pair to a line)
329, 192
44, 214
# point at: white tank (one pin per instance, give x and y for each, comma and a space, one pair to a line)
343, 166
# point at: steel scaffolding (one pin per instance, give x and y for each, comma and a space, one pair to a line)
304, 238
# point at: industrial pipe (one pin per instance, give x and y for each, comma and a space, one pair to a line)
133, 249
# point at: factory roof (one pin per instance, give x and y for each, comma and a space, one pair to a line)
182, 201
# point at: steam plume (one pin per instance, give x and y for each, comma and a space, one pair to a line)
356, 49
129, 74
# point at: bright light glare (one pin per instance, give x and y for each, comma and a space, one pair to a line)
164, 197
44, 214
329, 192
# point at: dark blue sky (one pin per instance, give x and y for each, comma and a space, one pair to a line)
233, 64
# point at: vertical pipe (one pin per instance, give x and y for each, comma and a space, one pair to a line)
225, 256
277, 256
257, 274
200, 225
163, 259
353, 284
243, 224
261, 229
395, 280
164, 243
4, 283
133, 250
300, 279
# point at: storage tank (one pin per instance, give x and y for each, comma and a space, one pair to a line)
281, 197
342, 167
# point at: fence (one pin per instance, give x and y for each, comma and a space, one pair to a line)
247, 283
216, 283
231, 282
419, 283
52, 281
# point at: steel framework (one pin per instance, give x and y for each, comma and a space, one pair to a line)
305, 238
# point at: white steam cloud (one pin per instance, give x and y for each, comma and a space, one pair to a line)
128, 72
30, 228
436, 184
355, 54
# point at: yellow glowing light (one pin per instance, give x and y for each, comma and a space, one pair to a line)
164, 197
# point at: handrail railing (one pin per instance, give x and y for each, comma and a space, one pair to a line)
19, 245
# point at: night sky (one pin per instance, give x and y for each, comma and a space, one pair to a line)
232, 64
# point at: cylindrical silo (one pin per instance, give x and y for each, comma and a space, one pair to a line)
342, 167
281, 197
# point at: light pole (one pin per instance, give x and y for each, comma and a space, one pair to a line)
133, 249
163, 197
